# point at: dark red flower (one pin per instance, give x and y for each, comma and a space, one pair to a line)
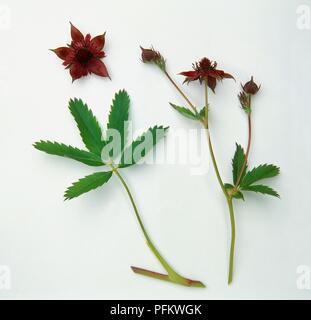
206, 69
251, 87
82, 56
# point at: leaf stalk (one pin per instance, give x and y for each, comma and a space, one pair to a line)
172, 275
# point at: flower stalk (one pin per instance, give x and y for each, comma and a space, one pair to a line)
222, 186
249, 121
206, 103
228, 197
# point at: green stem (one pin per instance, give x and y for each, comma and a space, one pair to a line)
225, 192
231, 258
230, 206
211, 150
210, 145
172, 276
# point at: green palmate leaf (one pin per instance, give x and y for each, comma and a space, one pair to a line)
119, 115
62, 150
87, 184
237, 163
141, 146
263, 171
185, 112
90, 130
262, 189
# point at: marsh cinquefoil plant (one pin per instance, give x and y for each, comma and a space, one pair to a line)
114, 151
206, 72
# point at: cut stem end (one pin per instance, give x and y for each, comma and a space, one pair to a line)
165, 277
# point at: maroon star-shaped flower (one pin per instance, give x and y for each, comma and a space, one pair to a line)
83, 56
206, 69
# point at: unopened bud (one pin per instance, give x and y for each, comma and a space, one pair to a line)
251, 87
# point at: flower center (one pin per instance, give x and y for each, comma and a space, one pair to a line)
84, 56
205, 64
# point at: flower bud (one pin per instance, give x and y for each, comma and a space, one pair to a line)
153, 56
149, 55
251, 87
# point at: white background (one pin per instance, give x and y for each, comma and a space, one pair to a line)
83, 248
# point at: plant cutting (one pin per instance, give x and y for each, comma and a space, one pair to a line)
113, 149
244, 180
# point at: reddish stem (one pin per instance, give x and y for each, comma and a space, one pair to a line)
247, 150
165, 277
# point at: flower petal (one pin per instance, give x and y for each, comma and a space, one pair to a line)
212, 83
216, 74
219, 74
100, 54
228, 76
98, 67
63, 52
190, 74
98, 42
76, 34
87, 39
77, 71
